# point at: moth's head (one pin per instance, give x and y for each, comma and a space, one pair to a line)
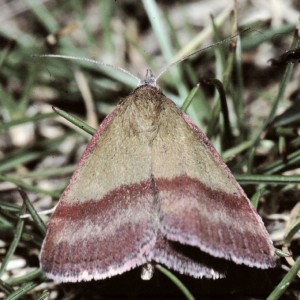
149, 79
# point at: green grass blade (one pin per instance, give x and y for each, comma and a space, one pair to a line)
292, 230
268, 179
35, 216
14, 244
44, 295
256, 197
77, 122
38, 273
163, 39
24, 289
285, 282
7, 125
189, 98
5, 287
177, 282
29, 187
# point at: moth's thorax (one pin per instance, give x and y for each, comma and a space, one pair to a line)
142, 109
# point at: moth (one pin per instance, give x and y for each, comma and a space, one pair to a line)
148, 186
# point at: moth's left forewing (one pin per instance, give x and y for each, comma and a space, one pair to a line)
201, 204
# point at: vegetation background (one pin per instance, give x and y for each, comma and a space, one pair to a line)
39, 149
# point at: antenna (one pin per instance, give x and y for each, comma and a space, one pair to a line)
165, 69
140, 81
96, 62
